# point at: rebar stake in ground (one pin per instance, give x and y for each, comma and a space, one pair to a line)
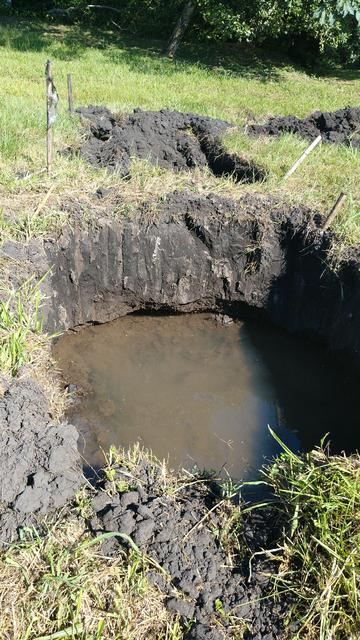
52, 100
334, 211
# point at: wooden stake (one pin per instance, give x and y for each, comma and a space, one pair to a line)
49, 132
334, 211
307, 151
44, 200
70, 94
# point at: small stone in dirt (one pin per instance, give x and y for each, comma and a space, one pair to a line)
223, 319
129, 498
144, 531
71, 388
102, 192
100, 501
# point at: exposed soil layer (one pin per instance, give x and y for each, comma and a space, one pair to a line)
207, 254
172, 140
337, 127
201, 253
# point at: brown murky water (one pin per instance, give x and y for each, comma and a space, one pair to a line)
203, 395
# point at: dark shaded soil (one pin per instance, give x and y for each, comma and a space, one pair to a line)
337, 127
207, 254
40, 466
173, 140
181, 531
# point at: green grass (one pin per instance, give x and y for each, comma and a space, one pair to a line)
319, 557
60, 585
317, 182
227, 82
21, 335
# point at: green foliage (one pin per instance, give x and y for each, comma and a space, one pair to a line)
326, 26
319, 559
20, 322
59, 585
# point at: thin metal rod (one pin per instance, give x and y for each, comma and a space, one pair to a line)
49, 132
304, 155
70, 94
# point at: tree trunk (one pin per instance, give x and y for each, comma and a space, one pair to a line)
180, 28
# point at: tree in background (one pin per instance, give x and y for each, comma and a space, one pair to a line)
330, 27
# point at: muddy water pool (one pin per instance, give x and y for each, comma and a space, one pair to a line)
202, 395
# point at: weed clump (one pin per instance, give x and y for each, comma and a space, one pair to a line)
21, 330
319, 559
60, 585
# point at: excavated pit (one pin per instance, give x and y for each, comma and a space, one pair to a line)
252, 258
172, 140
218, 385
336, 127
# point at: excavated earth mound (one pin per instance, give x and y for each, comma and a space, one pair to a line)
182, 533
173, 140
337, 127
40, 467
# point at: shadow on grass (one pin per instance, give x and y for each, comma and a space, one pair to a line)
72, 41
67, 42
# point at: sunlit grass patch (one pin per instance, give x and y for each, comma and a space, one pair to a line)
317, 183
21, 334
60, 585
221, 82
319, 559
23, 341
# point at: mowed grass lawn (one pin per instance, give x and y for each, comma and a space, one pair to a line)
226, 82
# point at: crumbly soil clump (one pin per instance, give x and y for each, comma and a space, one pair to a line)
184, 526
172, 140
336, 127
40, 466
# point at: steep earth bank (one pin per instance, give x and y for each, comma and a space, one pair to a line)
207, 253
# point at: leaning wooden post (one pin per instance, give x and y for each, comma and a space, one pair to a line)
334, 211
304, 155
70, 94
51, 103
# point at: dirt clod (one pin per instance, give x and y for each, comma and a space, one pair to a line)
181, 532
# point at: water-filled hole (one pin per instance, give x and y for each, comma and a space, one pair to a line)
203, 394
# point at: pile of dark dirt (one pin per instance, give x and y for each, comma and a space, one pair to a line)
40, 466
182, 531
336, 127
172, 140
